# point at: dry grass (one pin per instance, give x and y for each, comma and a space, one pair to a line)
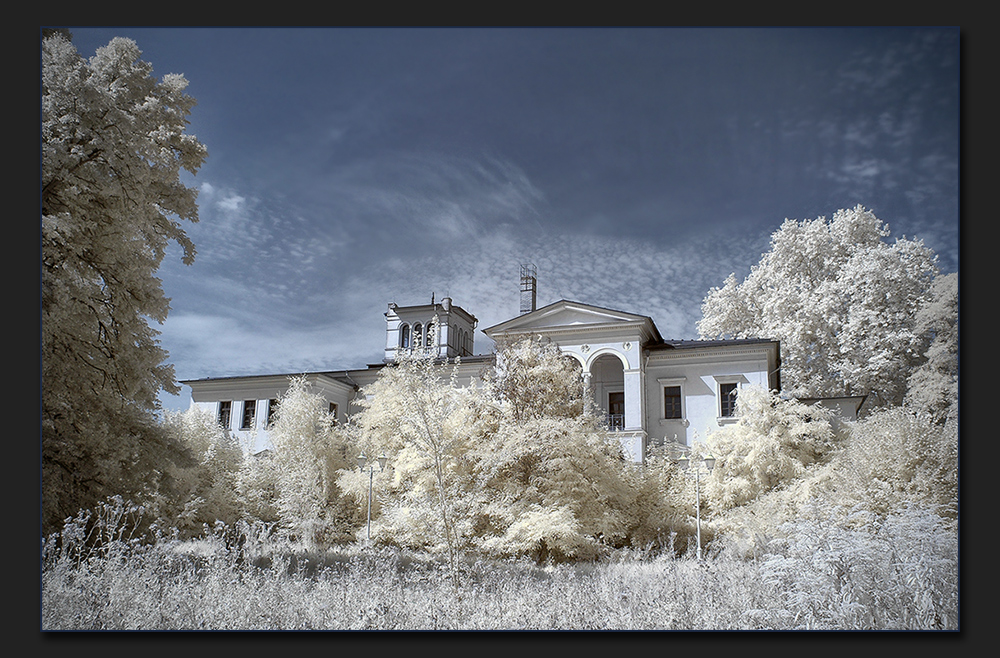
267, 584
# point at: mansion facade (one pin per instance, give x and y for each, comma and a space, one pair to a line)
652, 391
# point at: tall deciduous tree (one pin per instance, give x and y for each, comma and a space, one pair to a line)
556, 484
840, 298
425, 424
308, 454
113, 146
933, 387
533, 379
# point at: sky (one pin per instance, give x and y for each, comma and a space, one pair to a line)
634, 167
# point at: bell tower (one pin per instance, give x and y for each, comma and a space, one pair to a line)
440, 329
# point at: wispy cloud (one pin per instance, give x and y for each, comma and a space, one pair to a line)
341, 325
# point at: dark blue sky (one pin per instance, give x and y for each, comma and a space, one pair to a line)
636, 167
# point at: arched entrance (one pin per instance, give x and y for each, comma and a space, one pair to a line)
607, 384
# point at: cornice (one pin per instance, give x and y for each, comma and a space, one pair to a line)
712, 350
620, 329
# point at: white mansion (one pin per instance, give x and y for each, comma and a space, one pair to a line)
652, 390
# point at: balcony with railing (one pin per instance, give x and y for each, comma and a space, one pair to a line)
615, 422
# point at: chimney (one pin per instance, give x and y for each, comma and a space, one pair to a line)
529, 287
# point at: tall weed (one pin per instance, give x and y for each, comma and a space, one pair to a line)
900, 574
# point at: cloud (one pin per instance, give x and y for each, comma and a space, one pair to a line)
339, 322
232, 204
426, 197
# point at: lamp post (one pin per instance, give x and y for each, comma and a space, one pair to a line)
362, 461
709, 462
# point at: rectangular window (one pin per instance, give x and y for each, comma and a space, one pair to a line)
727, 399
333, 411
249, 411
672, 402
225, 412
272, 409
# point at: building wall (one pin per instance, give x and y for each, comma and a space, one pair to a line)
209, 395
609, 348
699, 374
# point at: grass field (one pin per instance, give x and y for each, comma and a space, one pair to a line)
839, 580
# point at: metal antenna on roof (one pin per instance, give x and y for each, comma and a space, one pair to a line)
529, 287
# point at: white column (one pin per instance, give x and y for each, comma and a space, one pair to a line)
634, 414
633, 399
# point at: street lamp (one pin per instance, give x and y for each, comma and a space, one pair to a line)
362, 460
709, 462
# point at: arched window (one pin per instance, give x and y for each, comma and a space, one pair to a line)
429, 337
418, 335
404, 337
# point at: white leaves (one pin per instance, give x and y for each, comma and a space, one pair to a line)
839, 299
113, 144
552, 530
772, 444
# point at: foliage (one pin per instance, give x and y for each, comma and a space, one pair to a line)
204, 491
113, 145
772, 443
901, 574
308, 455
897, 573
531, 378
485, 469
427, 427
894, 458
556, 488
933, 386
257, 488
556, 485
663, 509
840, 299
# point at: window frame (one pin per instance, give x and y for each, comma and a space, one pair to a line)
225, 408
737, 382
673, 382
248, 421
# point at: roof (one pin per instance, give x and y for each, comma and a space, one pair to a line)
709, 342
436, 307
568, 314
339, 375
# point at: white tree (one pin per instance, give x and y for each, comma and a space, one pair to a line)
933, 387
555, 484
113, 145
841, 300
204, 489
896, 457
772, 444
554, 488
422, 420
308, 455
532, 378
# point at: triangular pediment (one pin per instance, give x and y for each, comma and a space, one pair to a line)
568, 315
